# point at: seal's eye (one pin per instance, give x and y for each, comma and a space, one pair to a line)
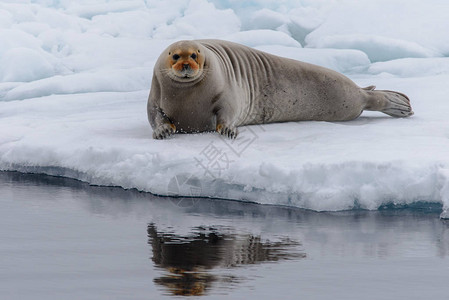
193, 56
175, 56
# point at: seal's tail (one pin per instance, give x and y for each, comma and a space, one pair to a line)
392, 103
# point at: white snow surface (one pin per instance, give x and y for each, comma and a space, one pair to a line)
75, 76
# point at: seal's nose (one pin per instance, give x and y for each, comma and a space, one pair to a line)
185, 67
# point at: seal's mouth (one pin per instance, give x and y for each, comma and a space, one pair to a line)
184, 76
186, 73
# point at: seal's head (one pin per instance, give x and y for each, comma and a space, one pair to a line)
184, 61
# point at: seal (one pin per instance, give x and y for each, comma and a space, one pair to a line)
215, 85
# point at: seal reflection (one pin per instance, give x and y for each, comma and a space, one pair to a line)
188, 259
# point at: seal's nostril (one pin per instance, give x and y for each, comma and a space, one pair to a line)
185, 66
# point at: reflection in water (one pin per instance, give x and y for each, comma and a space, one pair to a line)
193, 263
188, 259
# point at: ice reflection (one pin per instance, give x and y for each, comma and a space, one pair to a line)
188, 259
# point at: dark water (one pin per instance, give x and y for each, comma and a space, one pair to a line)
63, 239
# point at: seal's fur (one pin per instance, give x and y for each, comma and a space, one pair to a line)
214, 85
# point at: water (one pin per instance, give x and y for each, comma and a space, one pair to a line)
64, 239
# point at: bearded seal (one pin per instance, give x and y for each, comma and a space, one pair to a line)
215, 85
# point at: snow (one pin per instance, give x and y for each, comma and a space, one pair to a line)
408, 27
24, 64
75, 76
260, 37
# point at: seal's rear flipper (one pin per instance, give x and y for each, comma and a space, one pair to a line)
398, 104
369, 88
392, 103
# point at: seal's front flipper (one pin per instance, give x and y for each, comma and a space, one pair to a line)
164, 131
225, 119
230, 132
